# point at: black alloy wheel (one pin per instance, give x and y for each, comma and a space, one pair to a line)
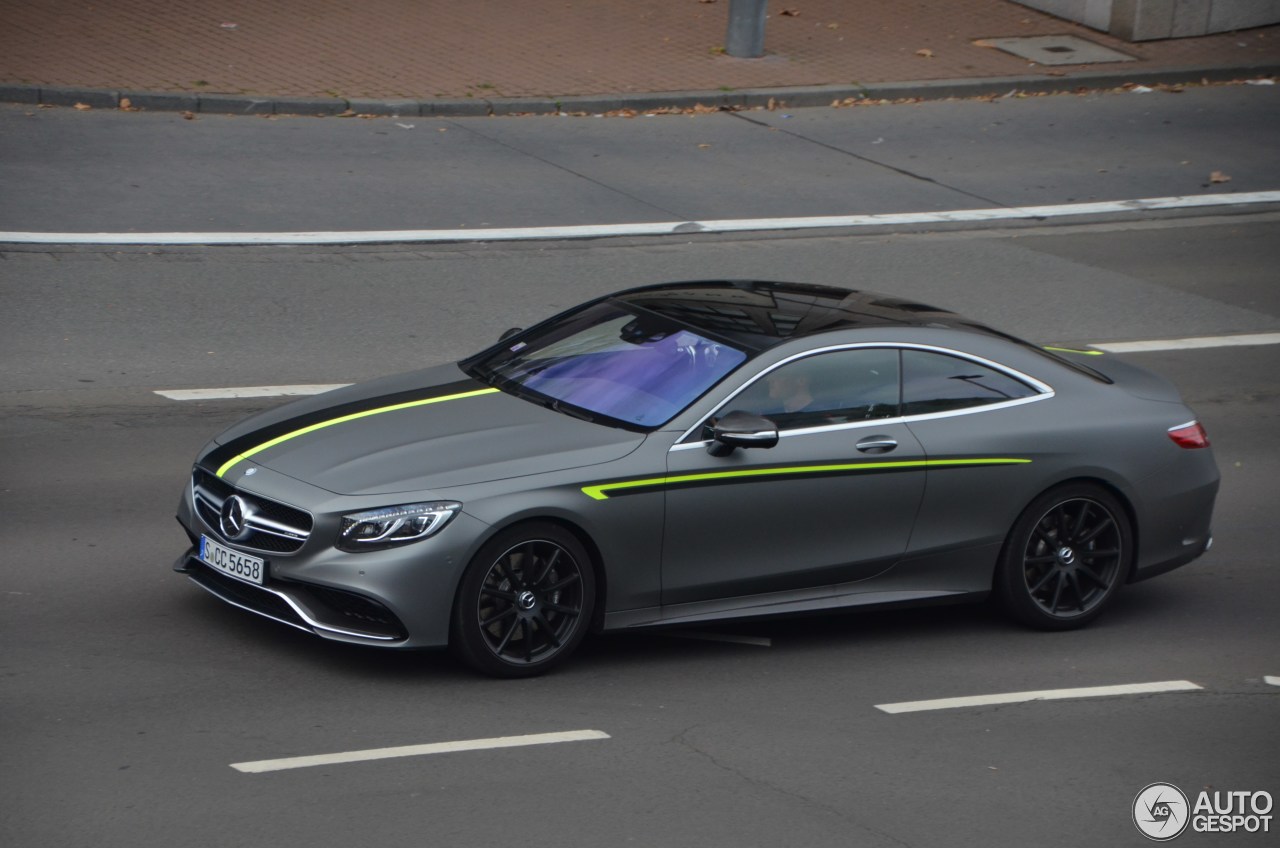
1065, 558
525, 602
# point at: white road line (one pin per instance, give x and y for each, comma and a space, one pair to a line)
247, 392
1043, 695
1003, 213
419, 750
1274, 681
1191, 343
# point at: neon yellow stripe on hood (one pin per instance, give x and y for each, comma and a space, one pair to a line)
231, 463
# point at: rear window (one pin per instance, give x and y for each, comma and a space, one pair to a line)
935, 382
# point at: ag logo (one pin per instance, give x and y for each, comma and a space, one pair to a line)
1161, 812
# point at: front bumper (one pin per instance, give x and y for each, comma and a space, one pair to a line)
332, 613
398, 597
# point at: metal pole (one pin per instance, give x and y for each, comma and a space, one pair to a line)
746, 29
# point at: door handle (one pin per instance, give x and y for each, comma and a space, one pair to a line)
876, 444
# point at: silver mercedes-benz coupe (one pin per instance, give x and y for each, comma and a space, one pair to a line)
691, 452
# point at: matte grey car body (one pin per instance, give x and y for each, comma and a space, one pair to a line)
935, 460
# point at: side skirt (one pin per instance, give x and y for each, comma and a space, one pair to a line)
951, 576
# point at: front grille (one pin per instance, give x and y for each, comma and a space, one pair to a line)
274, 527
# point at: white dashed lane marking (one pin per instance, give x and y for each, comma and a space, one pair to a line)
419, 750
1191, 343
1042, 695
248, 392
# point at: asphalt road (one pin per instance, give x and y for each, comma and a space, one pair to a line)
128, 693
68, 171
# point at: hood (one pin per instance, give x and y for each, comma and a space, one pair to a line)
417, 432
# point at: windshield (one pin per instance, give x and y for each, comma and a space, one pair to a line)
635, 368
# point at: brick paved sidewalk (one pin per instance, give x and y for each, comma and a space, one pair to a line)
425, 49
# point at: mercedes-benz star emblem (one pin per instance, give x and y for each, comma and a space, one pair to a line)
233, 519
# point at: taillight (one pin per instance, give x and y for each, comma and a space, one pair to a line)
1189, 436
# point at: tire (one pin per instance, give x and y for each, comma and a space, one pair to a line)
525, 602
1065, 558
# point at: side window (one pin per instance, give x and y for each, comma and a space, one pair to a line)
827, 388
935, 382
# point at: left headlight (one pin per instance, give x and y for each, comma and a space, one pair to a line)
394, 525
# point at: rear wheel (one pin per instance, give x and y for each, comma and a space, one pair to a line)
525, 602
1065, 558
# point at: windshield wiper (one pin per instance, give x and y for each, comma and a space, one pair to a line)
571, 411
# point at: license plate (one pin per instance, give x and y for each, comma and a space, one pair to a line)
234, 563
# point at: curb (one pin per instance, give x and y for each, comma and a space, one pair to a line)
792, 97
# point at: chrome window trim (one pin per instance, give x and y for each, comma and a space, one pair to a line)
1044, 392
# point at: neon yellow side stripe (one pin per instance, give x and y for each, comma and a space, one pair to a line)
600, 492
1073, 350
231, 463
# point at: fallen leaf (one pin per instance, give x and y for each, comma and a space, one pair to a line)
1219, 177
83, 107
789, 13
188, 116
833, 26
925, 52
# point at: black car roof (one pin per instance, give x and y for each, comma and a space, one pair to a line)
760, 313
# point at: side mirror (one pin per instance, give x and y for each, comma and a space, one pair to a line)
741, 430
509, 333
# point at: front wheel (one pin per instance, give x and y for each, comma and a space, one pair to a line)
1065, 558
525, 602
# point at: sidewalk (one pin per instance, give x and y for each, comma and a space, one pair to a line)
479, 56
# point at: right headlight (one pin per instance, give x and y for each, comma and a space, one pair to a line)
394, 525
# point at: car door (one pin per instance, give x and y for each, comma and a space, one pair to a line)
834, 501
989, 438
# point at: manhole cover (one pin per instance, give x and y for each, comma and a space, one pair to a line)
1057, 49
